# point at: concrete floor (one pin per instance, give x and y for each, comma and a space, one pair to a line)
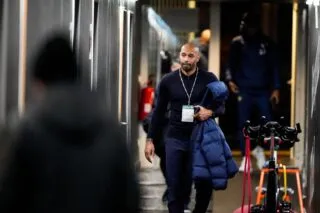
230, 199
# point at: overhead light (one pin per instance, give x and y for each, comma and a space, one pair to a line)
313, 2
192, 4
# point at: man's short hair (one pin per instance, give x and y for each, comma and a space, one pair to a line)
55, 61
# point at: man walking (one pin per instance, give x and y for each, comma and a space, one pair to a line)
252, 74
182, 90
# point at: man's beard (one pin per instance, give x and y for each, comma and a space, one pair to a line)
187, 67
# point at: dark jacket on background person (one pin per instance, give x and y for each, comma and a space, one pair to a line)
253, 64
69, 156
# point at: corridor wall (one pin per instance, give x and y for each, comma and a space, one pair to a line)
9, 60
102, 32
312, 149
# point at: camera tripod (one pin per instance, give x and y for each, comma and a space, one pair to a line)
273, 134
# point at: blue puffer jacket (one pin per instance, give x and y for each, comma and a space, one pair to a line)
212, 158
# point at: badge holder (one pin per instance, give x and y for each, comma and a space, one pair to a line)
187, 114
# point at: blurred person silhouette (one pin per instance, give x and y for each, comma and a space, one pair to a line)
68, 155
252, 74
159, 144
146, 98
166, 62
202, 43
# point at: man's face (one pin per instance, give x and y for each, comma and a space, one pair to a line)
189, 57
248, 29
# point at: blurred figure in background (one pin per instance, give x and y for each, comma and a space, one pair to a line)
146, 98
252, 74
161, 131
166, 62
159, 142
68, 155
202, 43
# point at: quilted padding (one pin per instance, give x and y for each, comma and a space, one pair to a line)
212, 158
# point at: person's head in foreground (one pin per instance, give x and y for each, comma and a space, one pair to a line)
54, 63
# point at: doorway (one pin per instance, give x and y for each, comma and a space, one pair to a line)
280, 31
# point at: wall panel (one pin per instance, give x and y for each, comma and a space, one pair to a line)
44, 18
313, 114
11, 50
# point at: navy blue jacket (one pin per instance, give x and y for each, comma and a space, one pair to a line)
212, 157
252, 64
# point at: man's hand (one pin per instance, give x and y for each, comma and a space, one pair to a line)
149, 150
275, 96
233, 87
203, 114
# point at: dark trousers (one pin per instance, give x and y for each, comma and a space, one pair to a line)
161, 153
179, 178
246, 104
